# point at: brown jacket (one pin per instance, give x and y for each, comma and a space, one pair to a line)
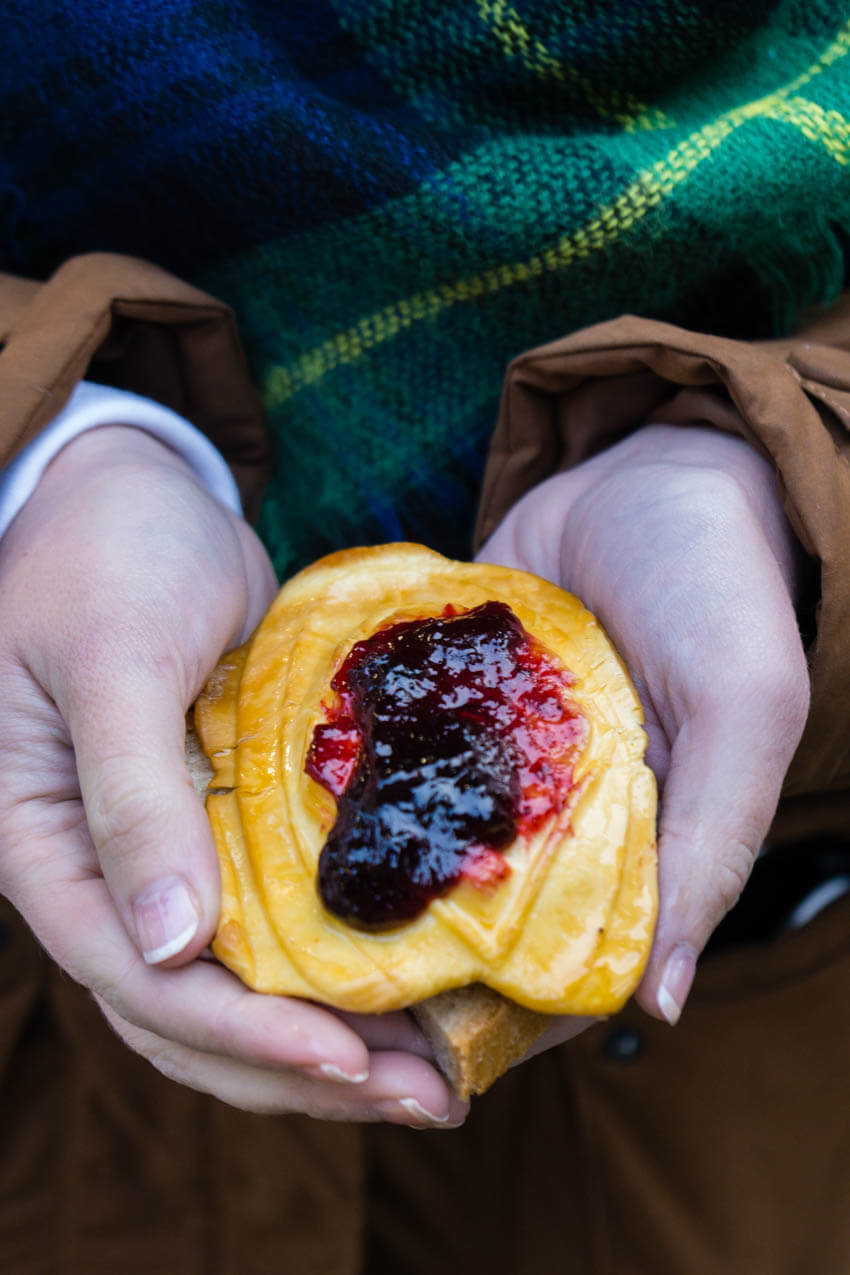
723, 1144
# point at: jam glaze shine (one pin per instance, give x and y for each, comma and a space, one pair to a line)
449, 738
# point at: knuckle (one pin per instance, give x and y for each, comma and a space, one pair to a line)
781, 679
99, 648
797, 691
167, 1059
778, 687
732, 874
120, 813
764, 690
164, 1055
111, 988
707, 500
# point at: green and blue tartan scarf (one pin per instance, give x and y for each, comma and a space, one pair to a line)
397, 196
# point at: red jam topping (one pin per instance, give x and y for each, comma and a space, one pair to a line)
450, 738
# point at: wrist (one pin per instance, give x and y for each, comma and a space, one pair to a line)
115, 444
100, 483
93, 406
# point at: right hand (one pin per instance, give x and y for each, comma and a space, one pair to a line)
676, 538
122, 581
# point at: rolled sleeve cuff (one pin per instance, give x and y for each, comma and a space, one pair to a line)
93, 405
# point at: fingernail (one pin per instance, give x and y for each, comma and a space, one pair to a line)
330, 1071
166, 919
413, 1110
676, 982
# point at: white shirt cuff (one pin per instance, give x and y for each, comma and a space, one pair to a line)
92, 405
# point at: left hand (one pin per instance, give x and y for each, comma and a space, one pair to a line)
676, 539
122, 581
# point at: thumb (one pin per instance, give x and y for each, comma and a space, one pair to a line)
719, 798
146, 822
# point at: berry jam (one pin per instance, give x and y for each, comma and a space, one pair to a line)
451, 737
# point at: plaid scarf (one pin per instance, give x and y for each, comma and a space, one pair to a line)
399, 195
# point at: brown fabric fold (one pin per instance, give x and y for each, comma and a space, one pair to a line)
127, 323
15, 295
565, 401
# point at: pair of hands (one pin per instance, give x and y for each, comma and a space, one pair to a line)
122, 581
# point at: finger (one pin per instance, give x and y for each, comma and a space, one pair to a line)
201, 1005
151, 835
720, 795
560, 1030
401, 1089
390, 1031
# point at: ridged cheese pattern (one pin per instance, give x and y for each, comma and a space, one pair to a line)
568, 930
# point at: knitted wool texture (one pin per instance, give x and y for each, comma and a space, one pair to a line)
397, 196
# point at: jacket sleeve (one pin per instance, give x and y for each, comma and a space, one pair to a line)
566, 401
126, 323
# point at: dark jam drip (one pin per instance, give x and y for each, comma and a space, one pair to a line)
451, 737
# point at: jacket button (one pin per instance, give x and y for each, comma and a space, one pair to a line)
622, 1044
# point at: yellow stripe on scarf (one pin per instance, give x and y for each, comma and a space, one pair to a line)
517, 42
646, 191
